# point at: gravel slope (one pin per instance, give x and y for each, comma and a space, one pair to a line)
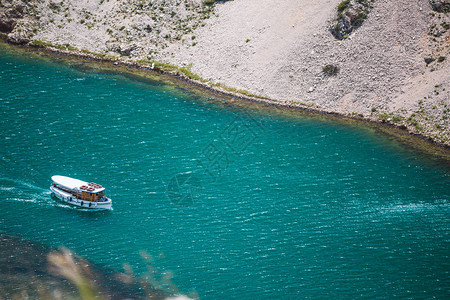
382, 69
275, 49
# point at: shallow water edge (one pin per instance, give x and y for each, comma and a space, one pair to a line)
432, 149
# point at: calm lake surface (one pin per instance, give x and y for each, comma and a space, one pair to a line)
237, 203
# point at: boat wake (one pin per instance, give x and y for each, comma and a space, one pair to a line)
435, 208
16, 190
22, 191
414, 208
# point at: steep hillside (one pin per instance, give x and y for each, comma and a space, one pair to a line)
378, 59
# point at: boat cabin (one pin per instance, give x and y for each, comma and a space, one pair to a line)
89, 196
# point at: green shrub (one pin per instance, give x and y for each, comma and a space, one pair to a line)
384, 116
188, 73
40, 43
396, 119
330, 70
69, 47
209, 2
343, 5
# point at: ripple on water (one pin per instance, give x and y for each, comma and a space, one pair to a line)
281, 208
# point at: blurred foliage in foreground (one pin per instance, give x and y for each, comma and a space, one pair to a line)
30, 271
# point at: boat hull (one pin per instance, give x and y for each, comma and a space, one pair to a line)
72, 200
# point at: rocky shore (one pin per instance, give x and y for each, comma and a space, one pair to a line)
380, 60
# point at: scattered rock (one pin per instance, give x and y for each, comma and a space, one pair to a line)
121, 49
148, 28
429, 60
18, 38
114, 47
15, 13
126, 51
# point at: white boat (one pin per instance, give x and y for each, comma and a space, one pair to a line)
80, 193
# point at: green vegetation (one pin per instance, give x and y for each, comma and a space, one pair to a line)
167, 67
239, 91
390, 117
343, 5
397, 119
209, 2
40, 43
70, 48
191, 75
355, 114
384, 116
187, 72
43, 44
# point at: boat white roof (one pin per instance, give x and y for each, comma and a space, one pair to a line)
72, 183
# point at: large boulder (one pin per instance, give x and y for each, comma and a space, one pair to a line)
8, 18
6, 24
440, 5
351, 15
121, 49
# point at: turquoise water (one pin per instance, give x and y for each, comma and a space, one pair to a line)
238, 204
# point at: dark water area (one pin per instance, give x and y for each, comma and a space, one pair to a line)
237, 203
